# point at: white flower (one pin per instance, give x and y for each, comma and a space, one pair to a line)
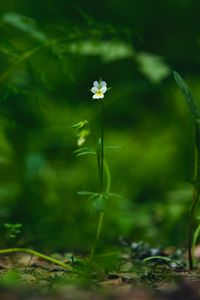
99, 89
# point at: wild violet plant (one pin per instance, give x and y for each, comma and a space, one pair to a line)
98, 89
194, 229
100, 197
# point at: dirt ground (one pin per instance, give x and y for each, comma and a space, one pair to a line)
23, 278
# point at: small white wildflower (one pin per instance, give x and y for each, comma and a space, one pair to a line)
99, 89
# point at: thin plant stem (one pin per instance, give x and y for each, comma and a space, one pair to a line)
98, 232
102, 147
101, 215
108, 177
36, 253
100, 162
196, 194
191, 229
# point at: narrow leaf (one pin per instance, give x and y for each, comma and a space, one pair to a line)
80, 124
85, 193
113, 147
116, 196
25, 24
85, 153
195, 236
157, 257
187, 95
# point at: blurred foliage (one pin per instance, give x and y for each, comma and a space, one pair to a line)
50, 53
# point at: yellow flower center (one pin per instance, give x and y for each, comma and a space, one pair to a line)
99, 93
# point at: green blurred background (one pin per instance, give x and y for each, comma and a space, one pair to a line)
50, 54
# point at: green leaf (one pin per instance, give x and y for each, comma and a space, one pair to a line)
153, 66
25, 24
86, 193
113, 147
98, 200
9, 50
10, 278
84, 151
80, 124
18, 225
99, 203
12, 226
187, 95
167, 259
195, 237
107, 50
116, 196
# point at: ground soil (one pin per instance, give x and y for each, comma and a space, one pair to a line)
24, 277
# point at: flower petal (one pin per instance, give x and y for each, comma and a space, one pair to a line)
103, 83
98, 96
94, 89
103, 89
96, 84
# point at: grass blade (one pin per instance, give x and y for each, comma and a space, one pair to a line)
187, 95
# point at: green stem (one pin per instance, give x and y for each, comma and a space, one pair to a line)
191, 229
33, 252
101, 215
196, 194
101, 163
98, 232
102, 147
108, 177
